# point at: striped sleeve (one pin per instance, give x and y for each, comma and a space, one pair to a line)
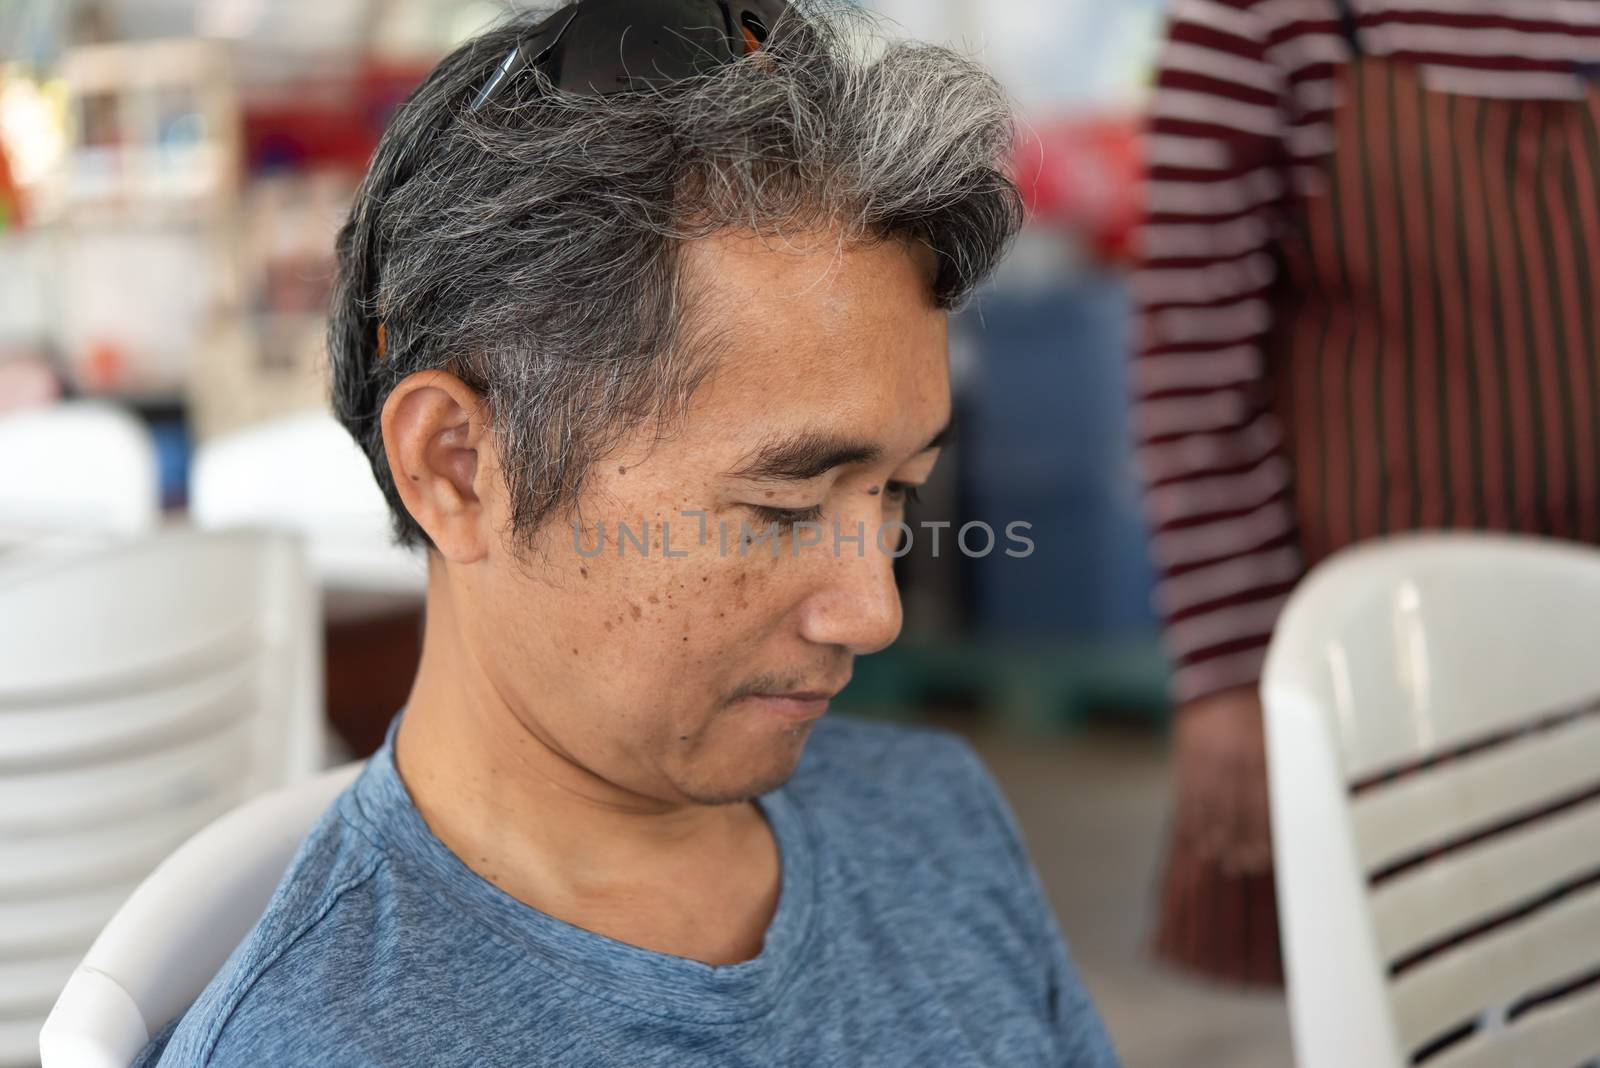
1216, 480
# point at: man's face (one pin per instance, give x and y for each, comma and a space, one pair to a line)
647, 670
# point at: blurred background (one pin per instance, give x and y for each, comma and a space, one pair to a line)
172, 173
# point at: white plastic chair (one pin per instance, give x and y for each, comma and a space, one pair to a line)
1434, 759
144, 690
78, 469
165, 944
304, 473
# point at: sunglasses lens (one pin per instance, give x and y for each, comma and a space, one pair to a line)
599, 56
612, 46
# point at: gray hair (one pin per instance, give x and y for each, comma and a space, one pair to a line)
533, 247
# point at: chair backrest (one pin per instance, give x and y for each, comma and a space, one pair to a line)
144, 690
81, 468
167, 941
1433, 731
304, 473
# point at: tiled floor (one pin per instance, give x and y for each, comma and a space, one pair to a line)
1092, 808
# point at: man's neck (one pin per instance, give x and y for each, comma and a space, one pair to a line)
694, 880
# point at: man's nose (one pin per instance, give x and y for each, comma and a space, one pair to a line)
858, 604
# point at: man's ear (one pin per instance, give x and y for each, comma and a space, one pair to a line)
442, 458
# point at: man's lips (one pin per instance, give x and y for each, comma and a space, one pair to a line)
793, 705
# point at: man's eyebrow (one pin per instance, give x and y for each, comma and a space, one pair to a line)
811, 454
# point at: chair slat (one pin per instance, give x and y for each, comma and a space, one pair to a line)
59, 922
128, 673
1564, 1035
1456, 799
30, 984
1498, 969
121, 851
117, 726
1459, 891
87, 795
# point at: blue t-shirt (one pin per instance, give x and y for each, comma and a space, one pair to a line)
911, 930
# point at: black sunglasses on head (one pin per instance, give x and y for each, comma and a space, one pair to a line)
601, 47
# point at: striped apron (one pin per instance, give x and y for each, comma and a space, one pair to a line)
1436, 362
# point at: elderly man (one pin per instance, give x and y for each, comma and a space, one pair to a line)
629, 294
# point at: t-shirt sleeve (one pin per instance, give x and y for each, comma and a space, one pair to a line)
1083, 1040
273, 1002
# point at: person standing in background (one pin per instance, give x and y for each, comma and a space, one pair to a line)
1367, 306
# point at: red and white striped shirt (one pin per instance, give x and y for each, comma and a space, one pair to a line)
1239, 123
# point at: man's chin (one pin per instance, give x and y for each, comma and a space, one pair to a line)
754, 775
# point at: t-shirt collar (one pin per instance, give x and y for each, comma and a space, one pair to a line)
644, 979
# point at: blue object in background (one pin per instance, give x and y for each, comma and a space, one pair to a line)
1047, 441
173, 455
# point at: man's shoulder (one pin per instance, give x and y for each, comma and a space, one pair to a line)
316, 928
